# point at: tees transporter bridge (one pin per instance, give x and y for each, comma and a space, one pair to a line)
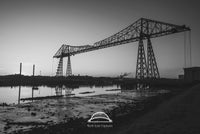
142, 29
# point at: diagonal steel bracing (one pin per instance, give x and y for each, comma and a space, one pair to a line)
60, 67
69, 68
152, 68
141, 67
147, 27
140, 30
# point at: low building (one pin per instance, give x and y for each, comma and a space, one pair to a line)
192, 73
181, 76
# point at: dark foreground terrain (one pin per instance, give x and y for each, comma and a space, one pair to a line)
174, 111
170, 113
179, 115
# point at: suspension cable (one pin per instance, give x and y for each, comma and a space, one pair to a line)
185, 64
190, 45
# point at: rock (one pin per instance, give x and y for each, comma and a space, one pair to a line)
33, 114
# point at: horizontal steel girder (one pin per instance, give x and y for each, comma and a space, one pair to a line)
141, 29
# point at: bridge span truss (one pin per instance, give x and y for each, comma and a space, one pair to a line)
142, 29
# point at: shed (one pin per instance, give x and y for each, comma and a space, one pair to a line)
192, 73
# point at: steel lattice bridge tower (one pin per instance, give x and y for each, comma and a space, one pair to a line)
142, 29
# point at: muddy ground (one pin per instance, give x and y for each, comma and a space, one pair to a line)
66, 114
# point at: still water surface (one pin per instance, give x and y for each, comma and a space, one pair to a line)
10, 95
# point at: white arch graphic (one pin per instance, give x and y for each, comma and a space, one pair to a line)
99, 115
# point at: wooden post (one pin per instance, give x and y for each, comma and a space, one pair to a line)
33, 70
20, 83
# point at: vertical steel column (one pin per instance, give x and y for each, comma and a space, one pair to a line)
152, 68
69, 69
141, 68
60, 67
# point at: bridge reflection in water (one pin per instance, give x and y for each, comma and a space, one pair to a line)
43, 92
31, 94
40, 93
67, 91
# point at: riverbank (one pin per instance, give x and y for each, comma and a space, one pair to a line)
179, 115
76, 81
131, 112
51, 115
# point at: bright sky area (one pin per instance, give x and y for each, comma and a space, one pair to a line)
32, 31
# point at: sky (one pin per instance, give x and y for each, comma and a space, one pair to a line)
31, 32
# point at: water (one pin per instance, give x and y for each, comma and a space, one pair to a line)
10, 95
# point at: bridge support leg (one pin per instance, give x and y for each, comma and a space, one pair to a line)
152, 68
141, 68
69, 69
60, 67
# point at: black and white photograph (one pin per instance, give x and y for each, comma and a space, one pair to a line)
99, 67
